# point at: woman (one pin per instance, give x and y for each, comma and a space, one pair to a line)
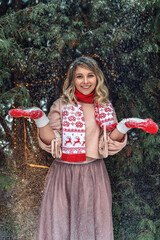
80, 130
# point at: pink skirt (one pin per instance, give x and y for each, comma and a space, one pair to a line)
77, 202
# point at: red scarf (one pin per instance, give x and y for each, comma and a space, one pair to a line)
85, 98
73, 129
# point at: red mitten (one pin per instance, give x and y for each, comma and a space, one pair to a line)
145, 124
35, 113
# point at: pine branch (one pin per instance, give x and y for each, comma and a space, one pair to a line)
9, 135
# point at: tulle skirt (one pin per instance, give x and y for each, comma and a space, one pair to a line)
77, 202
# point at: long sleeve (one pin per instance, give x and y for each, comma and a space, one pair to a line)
107, 146
55, 122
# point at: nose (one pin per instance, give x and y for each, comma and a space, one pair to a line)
85, 79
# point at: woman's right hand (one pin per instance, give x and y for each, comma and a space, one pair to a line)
34, 112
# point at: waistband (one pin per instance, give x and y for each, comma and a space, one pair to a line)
79, 163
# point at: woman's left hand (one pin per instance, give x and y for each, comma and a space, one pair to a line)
145, 124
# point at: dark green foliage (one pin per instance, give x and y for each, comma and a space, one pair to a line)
38, 44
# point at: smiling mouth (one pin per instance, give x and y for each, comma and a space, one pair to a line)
85, 87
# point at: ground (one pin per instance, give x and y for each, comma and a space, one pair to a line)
20, 206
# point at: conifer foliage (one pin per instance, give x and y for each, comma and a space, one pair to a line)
37, 45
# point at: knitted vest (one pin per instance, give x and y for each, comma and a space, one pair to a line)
73, 129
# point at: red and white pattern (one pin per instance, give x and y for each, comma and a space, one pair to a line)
145, 124
73, 129
73, 132
105, 116
33, 112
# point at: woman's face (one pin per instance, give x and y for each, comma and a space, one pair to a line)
85, 80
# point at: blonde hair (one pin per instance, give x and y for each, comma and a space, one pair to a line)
101, 91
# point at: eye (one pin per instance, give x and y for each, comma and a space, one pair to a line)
79, 76
91, 75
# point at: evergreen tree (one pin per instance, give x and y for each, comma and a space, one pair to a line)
38, 44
